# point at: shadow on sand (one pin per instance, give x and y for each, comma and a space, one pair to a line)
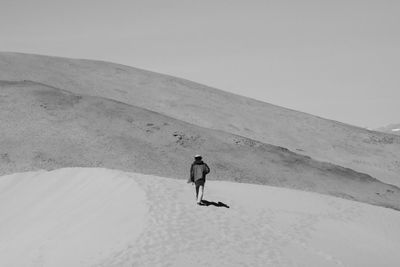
216, 204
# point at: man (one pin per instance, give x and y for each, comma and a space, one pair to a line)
198, 172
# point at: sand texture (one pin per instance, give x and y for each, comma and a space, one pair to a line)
370, 152
48, 128
88, 150
98, 217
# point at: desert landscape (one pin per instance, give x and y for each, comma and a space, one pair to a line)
364, 151
100, 217
95, 156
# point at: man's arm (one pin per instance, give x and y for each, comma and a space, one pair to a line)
191, 178
206, 169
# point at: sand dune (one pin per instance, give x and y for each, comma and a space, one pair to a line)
100, 217
47, 128
70, 217
376, 154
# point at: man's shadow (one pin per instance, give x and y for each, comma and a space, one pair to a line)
212, 203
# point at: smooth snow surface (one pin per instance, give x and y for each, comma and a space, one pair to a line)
396, 130
100, 217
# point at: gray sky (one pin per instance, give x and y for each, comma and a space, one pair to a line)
337, 59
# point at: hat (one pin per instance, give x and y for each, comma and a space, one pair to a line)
197, 156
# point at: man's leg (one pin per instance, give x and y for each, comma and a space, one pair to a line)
200, 192
197, 191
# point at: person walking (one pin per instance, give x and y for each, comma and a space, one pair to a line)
198, 172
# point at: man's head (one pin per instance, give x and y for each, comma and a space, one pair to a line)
198, 157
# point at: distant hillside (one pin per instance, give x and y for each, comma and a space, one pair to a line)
44, 127
392, 128
374, 153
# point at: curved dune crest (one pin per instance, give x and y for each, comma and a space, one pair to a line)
49, 128
100, 217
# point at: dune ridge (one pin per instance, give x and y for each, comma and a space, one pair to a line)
370, 152
48, 128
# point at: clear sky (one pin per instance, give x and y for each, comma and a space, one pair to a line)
338, 59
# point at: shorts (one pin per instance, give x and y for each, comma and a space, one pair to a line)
200, 182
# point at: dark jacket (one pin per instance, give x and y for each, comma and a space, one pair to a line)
198, 171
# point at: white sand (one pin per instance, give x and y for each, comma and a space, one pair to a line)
99, 217
69, 217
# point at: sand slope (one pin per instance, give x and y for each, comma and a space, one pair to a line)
99, 217
70, 217
47, 128
377, 154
